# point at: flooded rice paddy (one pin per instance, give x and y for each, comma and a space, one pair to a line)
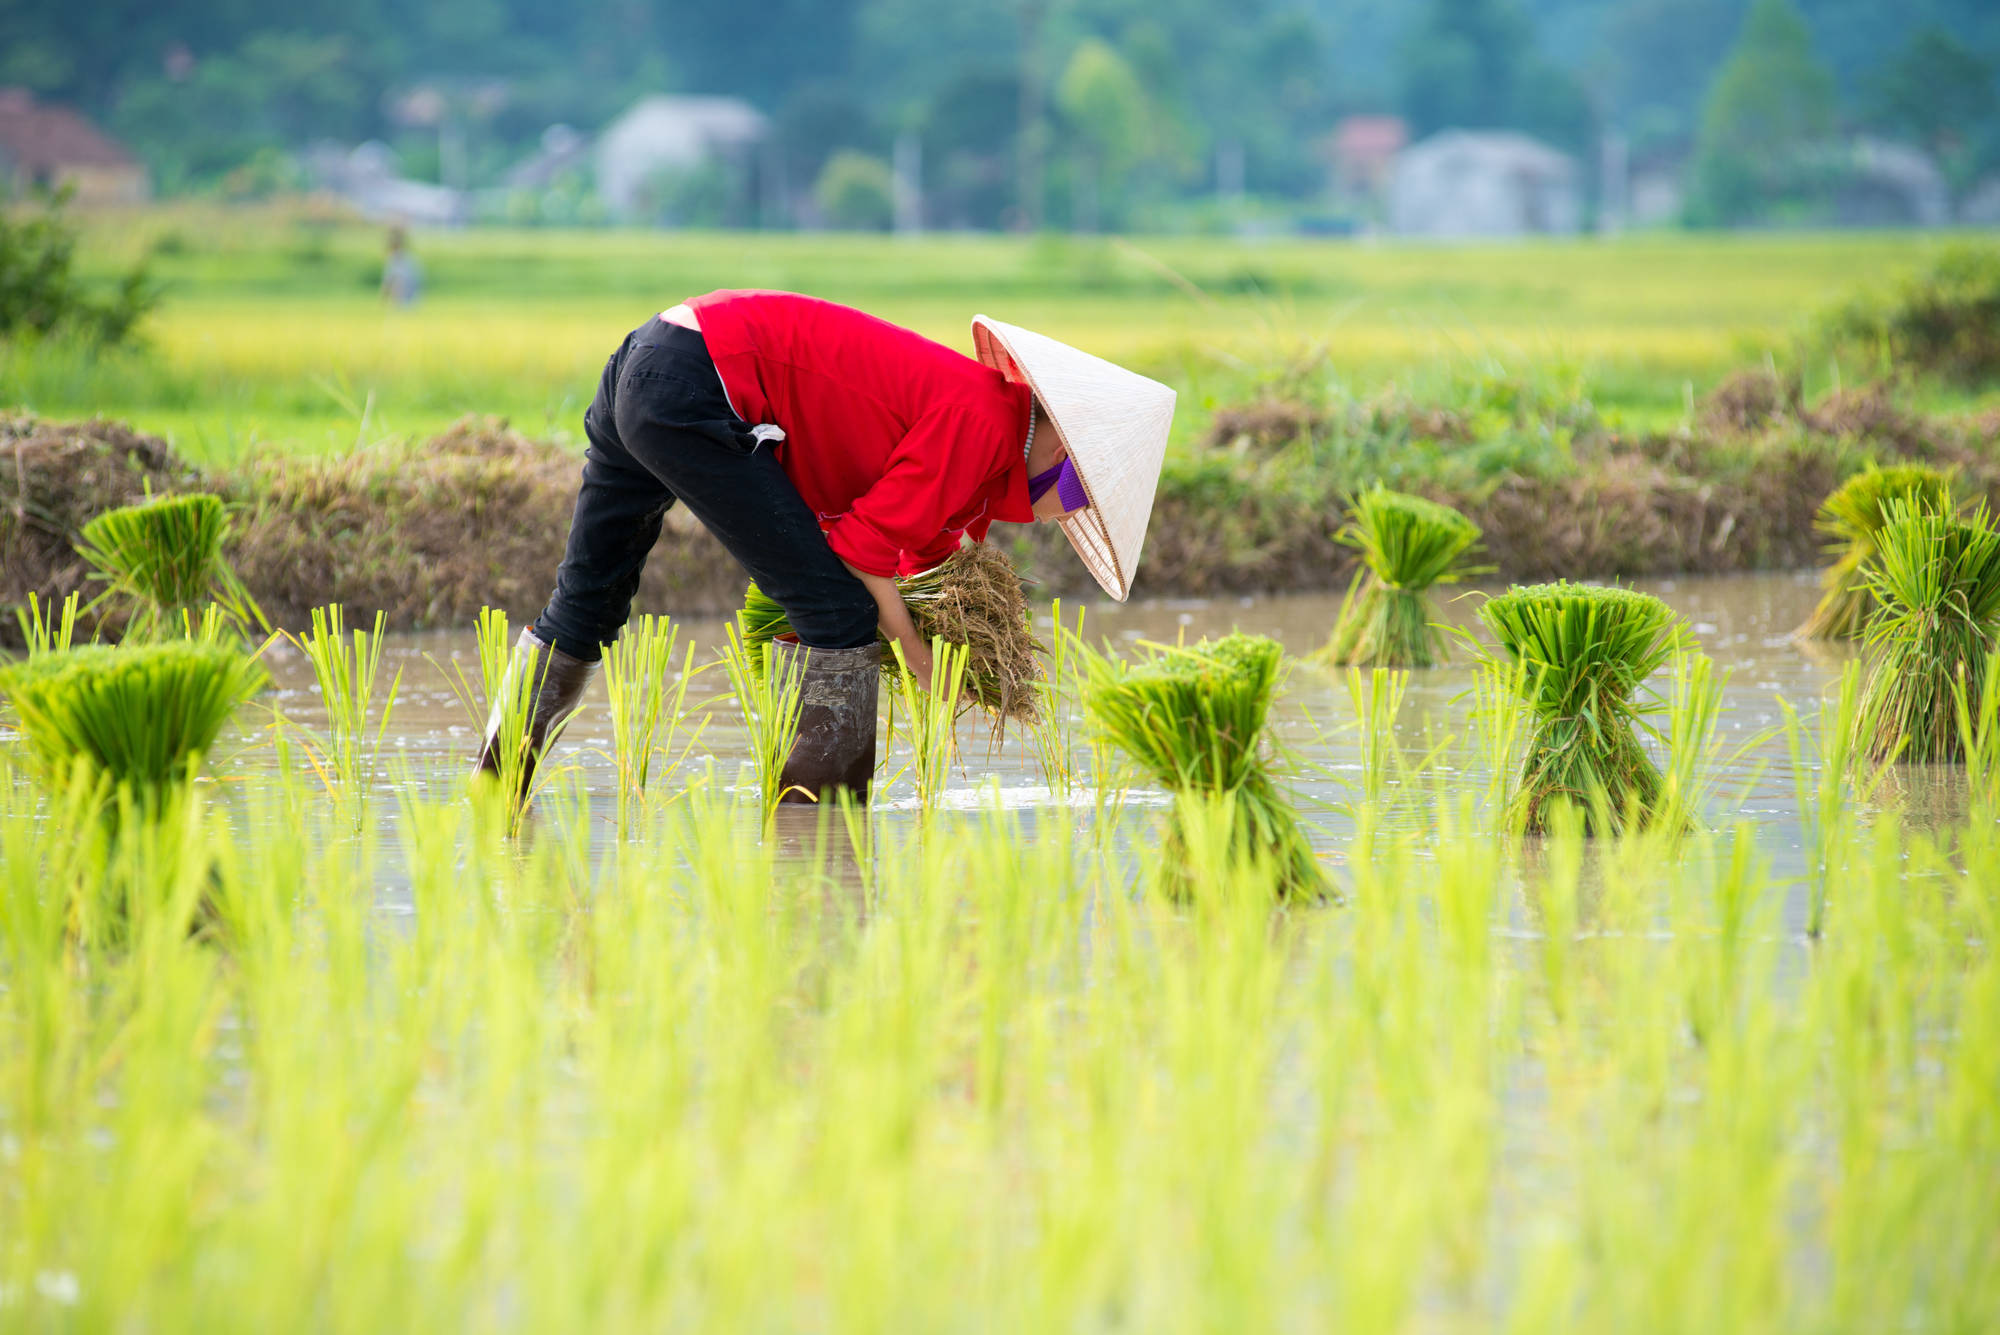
430, 1077
1744, 623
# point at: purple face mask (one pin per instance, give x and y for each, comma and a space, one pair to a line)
1069, 487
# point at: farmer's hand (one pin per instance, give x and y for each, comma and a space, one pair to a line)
921, 664
896, 625
917, 660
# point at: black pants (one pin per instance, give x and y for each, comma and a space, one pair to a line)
661, 430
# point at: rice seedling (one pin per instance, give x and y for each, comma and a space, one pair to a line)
646, 712
346, 666
735, 1101
1578, 655
1054, 736
162, 562
769, 701
1936, 583
931, 727
1376, 705
1825, 785
136, 720
1408, 546
1979, 737
974, 600
44, 633
1193, 719
1852, 517
1692, 738
502, 705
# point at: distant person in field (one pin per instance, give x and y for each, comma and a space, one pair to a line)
830, 452
402, 277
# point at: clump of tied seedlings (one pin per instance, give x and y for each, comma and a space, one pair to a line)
1575, 657
1936, 578
1853, 517
162, 562
973, 599
1408, 545
1193, 719
131, 720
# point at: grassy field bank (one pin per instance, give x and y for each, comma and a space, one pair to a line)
271, 335
477, 515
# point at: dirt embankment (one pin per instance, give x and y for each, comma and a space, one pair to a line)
478, 516
475, 517
1737, 490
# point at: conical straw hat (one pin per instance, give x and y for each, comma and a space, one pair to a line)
1115, 422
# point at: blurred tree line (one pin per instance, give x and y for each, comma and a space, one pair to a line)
1093, 113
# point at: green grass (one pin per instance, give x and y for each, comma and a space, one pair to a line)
271, 337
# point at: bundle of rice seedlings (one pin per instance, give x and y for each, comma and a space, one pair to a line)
973, 599
1936, 580
1193, 719
1852, 517
163, 560
1577, 655
136, 718
1408, 545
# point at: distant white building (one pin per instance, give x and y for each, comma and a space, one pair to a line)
1981, 207
658, 134
1473, 183
366, 177
1886, 184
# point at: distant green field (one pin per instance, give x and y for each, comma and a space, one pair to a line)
271, 335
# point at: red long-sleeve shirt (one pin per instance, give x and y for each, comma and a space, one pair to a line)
898, 443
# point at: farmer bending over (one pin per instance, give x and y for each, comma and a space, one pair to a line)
830, 452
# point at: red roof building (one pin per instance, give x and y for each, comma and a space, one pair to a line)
1360, 151
53, 147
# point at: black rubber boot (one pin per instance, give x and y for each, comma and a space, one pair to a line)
562, 683
835, 747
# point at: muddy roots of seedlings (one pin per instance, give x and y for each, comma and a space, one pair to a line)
1577, 656
1936, 577
1408, 545
1193, 719
975, 600
1852, 517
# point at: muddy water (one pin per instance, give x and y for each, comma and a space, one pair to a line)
1742, 622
